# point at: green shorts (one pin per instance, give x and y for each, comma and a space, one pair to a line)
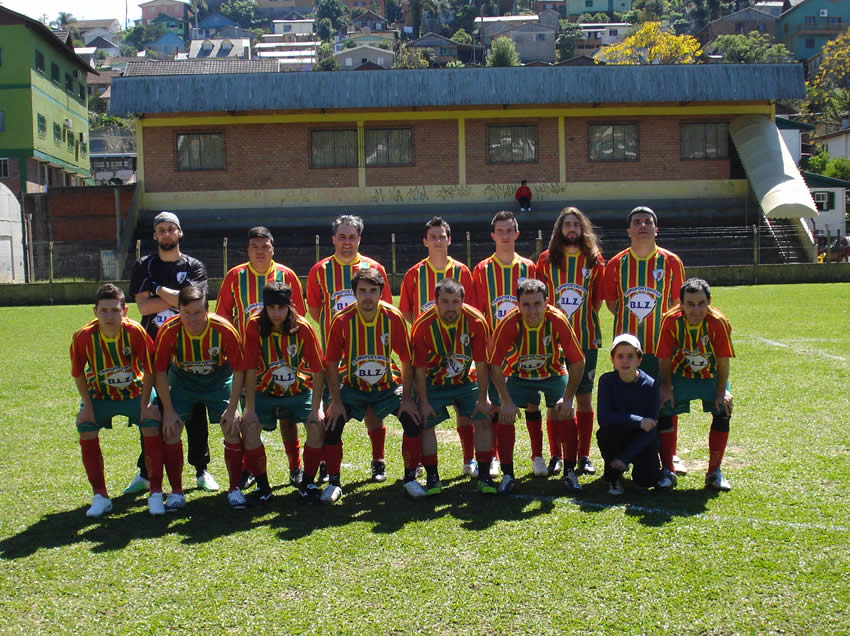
687, 389
291, 409
649, 365
383, 403
463, 397
216, 399
105, 410
589, 375
524, 392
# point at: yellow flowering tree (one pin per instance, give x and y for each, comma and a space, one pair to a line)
652, 45
829, 89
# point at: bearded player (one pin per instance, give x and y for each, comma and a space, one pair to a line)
572, 269
450, 364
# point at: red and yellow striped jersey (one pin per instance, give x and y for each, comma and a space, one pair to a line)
284, 361
215, 352
241, 292
575, 287
695, 349
114, 367
644, 289
329, 287
534, 353
494, 284
417, 287
449, 351
362, 350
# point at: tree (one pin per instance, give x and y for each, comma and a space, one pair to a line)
651, 45
571, 33
335, 11
394, 12
829, 89
197, 6
139, 37
752, 48
838, 168
461, 37
410, 58
454, 64
502, 53
63, 20
325, 60
325, 29
242, 12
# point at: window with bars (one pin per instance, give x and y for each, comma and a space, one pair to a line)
333, 148
614, 142
200, 151
511, 144
705, 141
4, 168
39, 61
57, 134
42, 126
389, 147
55, 73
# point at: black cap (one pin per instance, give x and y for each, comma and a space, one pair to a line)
277, 294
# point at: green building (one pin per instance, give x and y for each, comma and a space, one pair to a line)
44, 118
807, 26
577, 7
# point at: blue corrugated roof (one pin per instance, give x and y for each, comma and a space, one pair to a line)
458, 87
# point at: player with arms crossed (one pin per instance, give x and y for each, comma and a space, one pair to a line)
241, 295
494, 283
329, 291
113, 372
199, 361
417, 296
572, 269
155, 283
530, 346
694, 354
362, 377
641, 284
284, 378
447, 340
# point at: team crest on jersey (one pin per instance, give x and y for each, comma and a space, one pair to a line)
291, 350
591, 374
570, 298
547, 340
181, 276
385, 339
585, 272
126, 351
370, 369
704, 339
284, 376
641, 301
697, 362
464, 339
214, 351
531, 363
455, 366
658, 274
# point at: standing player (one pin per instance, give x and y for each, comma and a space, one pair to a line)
530, 346
694, 352
330, 290
284, 377
640, 286
417, 296
111, 367
199, 361
362, 338
572, 269
494, 282
447, 339
241, 295
155, 283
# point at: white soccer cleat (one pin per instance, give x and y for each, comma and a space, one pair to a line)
175, 502
507, 484
471, 469
331, 494
570, 481
668, 480
100, 505
138, 484
207, 482
539, 467
414, 489
717, 481
156, 506
679, 466
495, 467
616, 487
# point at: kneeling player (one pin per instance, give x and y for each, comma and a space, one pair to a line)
694, 352
284, 378
530, 345
447, 339
111, 366
627, 410
199, 361
362, 377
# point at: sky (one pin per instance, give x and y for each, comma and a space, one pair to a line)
80, 9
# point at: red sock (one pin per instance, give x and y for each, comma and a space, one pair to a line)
534, 424
585, 432
293, 453
377, 437
467, 442
154, 460
554, 440
484, 458
255, 460
569, 441
333, 458
668, 448
233, 461
93, 463
675, 433
312, 458
507, 438
716, 448
174, 466
496, 427
411, 449
429, 461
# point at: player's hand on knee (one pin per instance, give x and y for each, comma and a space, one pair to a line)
172, 426
86, 415
484, 407
426, 411
151, 412
724, 404
508, 413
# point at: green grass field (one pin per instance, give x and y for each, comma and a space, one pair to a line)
770, 556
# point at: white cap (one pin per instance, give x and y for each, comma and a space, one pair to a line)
626, 338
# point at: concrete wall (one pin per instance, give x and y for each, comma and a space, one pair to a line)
11, 238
